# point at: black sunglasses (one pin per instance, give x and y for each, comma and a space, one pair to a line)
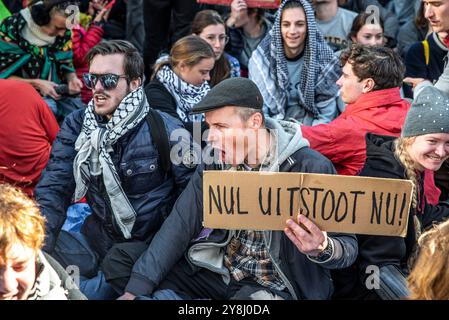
109, 81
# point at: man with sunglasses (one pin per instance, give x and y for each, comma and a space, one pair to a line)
107, 154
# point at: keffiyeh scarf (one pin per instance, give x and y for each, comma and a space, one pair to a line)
185, 94
268, 67
94, 145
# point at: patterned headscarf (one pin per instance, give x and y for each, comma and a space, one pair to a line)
268, 67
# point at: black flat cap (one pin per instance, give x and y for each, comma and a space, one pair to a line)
237, 92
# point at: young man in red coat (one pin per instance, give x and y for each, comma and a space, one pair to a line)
370, 88
27, 131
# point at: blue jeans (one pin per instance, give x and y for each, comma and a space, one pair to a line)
73, 251
97, 288
164, 294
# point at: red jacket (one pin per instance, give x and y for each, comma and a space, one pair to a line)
27, 131
83, 41
343, 140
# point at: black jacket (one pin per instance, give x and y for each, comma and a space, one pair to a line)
384, 250
151, 191
416, 65
309, 280
442, 181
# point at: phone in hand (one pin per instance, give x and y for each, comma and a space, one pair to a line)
62, 90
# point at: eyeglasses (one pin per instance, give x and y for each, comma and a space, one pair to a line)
109, 81
221, 38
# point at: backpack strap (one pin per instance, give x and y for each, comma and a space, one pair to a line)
425, 44
160, 138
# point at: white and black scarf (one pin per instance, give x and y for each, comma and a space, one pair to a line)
185, 94
268, 67
94, 145
48, 285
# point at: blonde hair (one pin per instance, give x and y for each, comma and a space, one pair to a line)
402, 154
190, 50
429, 279
20, 221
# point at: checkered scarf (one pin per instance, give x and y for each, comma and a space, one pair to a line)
185, 94
94, 145
268, 67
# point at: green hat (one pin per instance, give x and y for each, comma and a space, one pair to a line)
237, 92
429, 113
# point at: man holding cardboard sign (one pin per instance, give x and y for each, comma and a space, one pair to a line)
200, 263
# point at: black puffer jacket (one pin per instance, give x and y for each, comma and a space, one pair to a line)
151, 191
383, 250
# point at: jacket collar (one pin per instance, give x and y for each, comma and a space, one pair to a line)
375, 99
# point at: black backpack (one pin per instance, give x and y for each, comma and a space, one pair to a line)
160, 137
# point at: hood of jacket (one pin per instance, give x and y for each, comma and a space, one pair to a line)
287, 140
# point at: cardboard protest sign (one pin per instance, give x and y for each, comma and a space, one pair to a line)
268, 4
264, 201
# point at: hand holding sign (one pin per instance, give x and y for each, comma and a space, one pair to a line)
311, 241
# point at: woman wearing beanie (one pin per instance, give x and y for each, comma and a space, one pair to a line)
423, 145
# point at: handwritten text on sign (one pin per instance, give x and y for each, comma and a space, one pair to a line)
264, 201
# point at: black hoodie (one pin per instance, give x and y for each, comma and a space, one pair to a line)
384, 250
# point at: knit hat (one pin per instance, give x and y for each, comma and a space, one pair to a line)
237, 92
429, 113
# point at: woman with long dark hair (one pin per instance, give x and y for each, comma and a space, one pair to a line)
209, 25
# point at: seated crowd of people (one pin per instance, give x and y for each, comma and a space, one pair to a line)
108, 108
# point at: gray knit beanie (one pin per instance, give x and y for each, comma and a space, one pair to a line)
429, 113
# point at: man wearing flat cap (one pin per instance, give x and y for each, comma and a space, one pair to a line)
185, 261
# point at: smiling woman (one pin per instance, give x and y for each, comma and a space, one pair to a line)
293, 29
295, 69
421, 150
424, 143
